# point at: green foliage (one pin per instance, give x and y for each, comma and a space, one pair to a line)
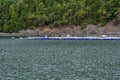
16, 15
6, 28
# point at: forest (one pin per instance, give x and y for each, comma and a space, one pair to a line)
16, 15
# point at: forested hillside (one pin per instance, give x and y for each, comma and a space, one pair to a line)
17, 15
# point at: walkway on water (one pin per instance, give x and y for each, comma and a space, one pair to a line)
73, 38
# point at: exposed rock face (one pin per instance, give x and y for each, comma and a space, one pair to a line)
107, 29
9, 34
74, 31
119, 19
90, 29
63, 30
110, 27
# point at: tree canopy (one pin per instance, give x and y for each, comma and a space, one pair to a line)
17, 15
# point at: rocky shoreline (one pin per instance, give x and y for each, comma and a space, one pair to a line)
91, 30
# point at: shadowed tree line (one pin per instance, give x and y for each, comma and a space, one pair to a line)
17, 15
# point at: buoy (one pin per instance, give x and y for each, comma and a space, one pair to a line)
21, 38
12, 37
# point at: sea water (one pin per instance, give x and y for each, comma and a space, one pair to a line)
59, 60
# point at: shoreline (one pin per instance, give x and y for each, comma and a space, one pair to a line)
117, 34
75, 31
10, 34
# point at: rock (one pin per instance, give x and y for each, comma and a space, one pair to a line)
111, 28
93, 32
118, 19
101, 30
91, 29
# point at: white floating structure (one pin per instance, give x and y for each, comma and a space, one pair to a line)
12, 38
21, 38
73, 38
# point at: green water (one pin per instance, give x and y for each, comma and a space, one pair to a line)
59, 60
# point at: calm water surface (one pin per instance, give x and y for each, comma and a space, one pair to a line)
59, 60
